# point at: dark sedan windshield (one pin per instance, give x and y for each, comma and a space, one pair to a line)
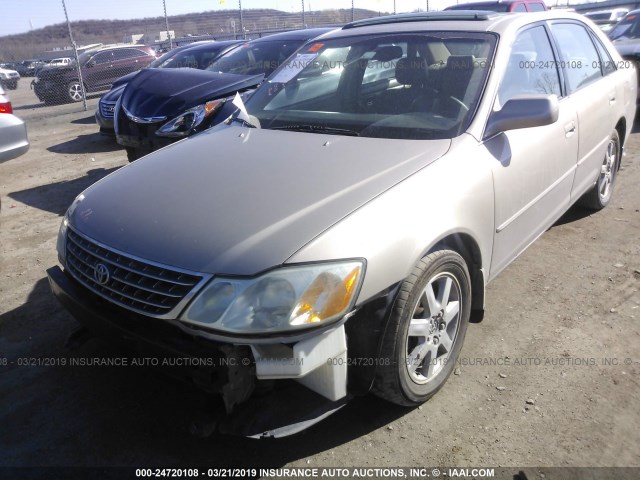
628, 27
197, 57
255, 58
402, 86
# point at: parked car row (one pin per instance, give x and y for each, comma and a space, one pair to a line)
335, 234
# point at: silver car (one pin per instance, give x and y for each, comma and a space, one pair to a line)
336, 234
13, 131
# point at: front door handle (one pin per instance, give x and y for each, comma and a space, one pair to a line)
569, 129
612, 98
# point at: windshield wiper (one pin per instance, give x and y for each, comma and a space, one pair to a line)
318, 129
242, 122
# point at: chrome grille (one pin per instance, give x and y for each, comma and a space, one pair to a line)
130, 283
107, 109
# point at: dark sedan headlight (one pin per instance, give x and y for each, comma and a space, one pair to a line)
183, 124
282, 300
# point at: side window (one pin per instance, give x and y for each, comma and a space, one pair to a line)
536, 7
606, 62
127, 53
102, 57
578, 55
519, 8
532, 68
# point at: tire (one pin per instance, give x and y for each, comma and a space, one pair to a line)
600, 194
132, 154
423, 339
12, 86
74, 91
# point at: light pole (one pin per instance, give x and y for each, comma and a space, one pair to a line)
75, 54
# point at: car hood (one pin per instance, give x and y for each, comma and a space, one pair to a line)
124, 79
170, 91
234, 200
7, 71
114, 94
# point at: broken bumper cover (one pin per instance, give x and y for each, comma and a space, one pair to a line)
317, 364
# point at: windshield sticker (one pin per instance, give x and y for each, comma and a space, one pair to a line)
292, 68
315, 47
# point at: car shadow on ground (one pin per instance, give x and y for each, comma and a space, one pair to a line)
87, 411
574, 214
90, 120
56, 197
91, 143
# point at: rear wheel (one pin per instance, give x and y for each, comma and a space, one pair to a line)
74, 91
426, 330
600, 194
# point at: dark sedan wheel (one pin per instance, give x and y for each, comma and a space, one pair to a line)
426, 330
74, 91
600, 194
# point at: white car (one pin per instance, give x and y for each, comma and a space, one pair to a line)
13, 131
9, 78
59, 62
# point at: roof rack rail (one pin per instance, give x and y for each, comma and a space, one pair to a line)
449, 16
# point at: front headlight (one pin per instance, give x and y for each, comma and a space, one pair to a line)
4, 75
182, 125
61, 243
286, 299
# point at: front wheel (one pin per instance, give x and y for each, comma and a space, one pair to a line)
74, 91
600, 194
426, 330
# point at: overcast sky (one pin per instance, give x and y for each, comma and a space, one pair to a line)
21, 15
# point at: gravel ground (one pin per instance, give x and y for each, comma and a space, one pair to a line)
550, 378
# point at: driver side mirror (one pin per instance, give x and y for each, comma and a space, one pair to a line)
91, 63
523, 112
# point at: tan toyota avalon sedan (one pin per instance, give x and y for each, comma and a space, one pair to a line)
335, 235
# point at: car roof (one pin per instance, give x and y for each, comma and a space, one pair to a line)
211, 44
450, 20
304, 34
632, 12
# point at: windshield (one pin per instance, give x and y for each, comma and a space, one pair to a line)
401, 86
197, 57
629, 27
256, 58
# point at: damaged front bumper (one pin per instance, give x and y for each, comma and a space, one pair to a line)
305, 380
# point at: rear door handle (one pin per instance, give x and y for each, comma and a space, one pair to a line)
612, 98
569, 129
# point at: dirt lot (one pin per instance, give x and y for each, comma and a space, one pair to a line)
562, 322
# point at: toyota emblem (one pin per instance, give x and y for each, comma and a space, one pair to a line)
101, 274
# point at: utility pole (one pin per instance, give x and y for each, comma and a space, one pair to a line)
75, 54
303, 22
244, 35
166, 23
352, 10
